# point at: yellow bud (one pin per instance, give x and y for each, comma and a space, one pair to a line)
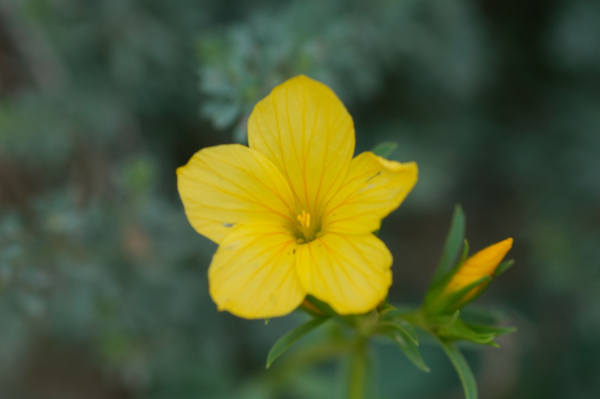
483, 263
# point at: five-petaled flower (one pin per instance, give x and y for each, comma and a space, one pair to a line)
294, 213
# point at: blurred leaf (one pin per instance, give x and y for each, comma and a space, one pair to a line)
462, 368
384, 150
400, 326
406, 342
483, 329
456, 236
322, 306
455, 300
504, 266
443, 320
459, 330
285, 342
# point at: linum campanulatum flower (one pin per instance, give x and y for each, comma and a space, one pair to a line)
294, 213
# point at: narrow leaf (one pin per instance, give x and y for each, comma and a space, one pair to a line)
400, 326
406, 343
462, 368
442, 320
385, 149
482, 329
285, 342
504, 266
456, 236
461, 297
460, 330
322, 306
465, 251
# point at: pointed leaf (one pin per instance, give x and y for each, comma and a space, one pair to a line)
452, 247
385, 149
461, 297
285, 342
399, 326
504, 266
443, 320
462, 368
482, 329
322, 306
406, 343
465, 251
460, 330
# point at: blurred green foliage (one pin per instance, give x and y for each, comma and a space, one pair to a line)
103, 290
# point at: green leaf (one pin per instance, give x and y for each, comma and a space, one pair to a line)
460, 330
456, 236
504, 266
285, 342
399, 326
475, 314
321, 306
407, 343
462, 368
443, 320
385, 149
385, 308
483, 329
456, 300
465, 252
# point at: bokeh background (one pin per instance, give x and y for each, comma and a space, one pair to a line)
103, 288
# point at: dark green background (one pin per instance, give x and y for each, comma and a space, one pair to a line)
103, 290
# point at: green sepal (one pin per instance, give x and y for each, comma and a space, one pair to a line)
460, 330
267, 321
455, 300
504, 266
483, 329
321, 306
400, 326
384, 149
452, 246
462, 368
385, 308
443, 320
475, 314
406, 341
465, 251
289, 339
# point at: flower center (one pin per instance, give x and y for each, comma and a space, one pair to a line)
307, 234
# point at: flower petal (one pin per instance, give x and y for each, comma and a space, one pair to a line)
306, 131
351, 273
231, 185
373, 188
253, 274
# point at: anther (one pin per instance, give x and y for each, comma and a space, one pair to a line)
304, 219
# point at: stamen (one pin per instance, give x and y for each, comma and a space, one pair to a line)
304, 219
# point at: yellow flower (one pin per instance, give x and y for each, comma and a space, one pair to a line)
293, 213
483, 263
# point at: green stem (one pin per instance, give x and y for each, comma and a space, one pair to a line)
357, 382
